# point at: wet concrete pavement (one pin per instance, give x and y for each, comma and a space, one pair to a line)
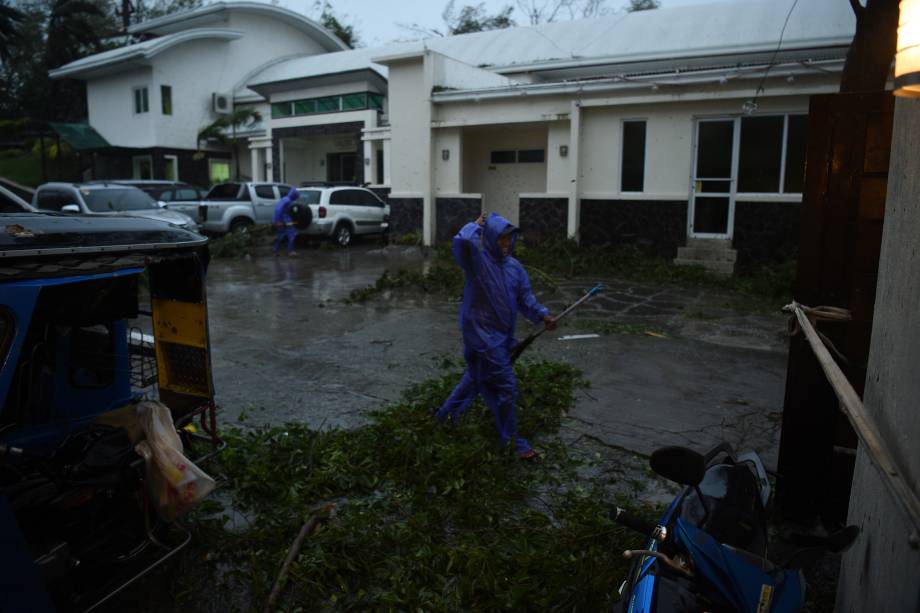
287, 348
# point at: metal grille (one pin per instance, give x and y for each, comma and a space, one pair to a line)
186, 367
143, 359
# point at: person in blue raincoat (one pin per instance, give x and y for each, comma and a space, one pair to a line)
496, 287
284, 223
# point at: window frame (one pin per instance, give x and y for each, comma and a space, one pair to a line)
784, 153
173, 162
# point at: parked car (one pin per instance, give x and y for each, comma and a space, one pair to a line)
11, 203
105, 199
173, 195
340, 213
235, 206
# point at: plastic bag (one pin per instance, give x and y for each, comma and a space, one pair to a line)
175, 483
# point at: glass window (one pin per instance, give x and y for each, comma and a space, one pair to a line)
309, 196
53, 200
328, 104
632, 168
118, 199
164, 196
503, 157
760, 155
265, 191
351, 102
531, 156
796, 141
304, 107
166, 99
141, 101
375, 101
225, 191
346, 196
714, 150
187, 194
218, 171
281, 109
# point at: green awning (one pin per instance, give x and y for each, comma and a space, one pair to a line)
80, 136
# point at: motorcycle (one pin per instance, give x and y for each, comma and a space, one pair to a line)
708, 551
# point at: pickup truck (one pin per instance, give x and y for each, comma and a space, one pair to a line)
234, 207
339, 213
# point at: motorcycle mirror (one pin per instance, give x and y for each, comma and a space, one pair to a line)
679, 464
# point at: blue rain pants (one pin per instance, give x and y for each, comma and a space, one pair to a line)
284, 223
496, 287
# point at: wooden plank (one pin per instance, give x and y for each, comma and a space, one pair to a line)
865, 428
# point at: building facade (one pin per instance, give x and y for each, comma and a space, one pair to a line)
663, 128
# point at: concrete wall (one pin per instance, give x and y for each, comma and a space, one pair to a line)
502, 184
110, 104
305, 159
195, 70
880, 572
451, 74
448, 174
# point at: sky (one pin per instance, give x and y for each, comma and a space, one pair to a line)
377, 21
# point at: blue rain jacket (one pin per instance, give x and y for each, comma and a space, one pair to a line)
495, 287
282, 208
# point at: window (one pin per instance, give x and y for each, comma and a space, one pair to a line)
771, 157
632, 169
141, 101
218, 171
531, 156
226, 191
327, 105
265, 191
309, 196
346, 196
503, 157
166, 99
165, 196
53, 200
171, 172
282, 109
142, 166
187, 194
108, 199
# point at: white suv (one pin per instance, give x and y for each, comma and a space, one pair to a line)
340, 213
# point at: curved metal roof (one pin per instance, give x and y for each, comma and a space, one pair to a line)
216, 12
139, 53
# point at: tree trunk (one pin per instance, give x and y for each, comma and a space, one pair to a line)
868, 62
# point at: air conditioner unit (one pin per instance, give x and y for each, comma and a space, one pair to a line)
221, 104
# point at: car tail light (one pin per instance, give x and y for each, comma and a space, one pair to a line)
322, 212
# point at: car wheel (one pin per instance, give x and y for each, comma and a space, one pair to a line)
342, 235
240, 224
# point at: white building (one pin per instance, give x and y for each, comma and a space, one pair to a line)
652, 127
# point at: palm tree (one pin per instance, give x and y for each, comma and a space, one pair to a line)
217, 130
9, 18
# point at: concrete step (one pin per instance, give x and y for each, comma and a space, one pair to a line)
724, 268
713, 255
709, 243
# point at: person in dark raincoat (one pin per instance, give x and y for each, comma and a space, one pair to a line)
285, 227
496, 287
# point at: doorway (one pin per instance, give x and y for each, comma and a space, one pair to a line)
712, 190
341, 167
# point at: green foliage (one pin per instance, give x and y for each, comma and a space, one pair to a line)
473, 18
642, 5
607, 327
21, 168
334, 23
10, 18
428, 517
239, 244
409, 238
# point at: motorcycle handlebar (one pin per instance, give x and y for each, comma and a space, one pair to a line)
645, 527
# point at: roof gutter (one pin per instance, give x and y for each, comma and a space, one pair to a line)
630, 83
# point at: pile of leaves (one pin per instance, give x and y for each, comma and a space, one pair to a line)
239, 244
427, 516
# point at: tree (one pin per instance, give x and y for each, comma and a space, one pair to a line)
548, 11
217, 130
642, 5
332, 22
869, 58
9, 18
469, 18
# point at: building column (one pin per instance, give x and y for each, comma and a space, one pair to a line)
386, 162
574, 214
